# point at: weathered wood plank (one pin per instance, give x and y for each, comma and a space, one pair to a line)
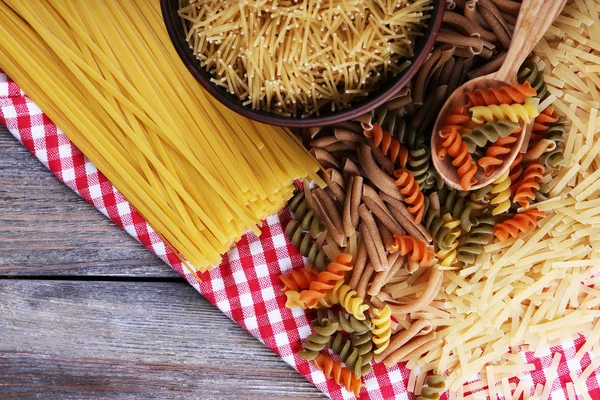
76, 339
46, 229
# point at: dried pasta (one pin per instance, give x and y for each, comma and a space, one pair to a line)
413, 196
305, 215
503, 95
480, 136
520, 223
453, 145
326, 280
106, 74
356, 359
306, 245
479, 236
318, 340
530, 184
389, 145
512, 112
298, 279
529, 72
342, 376
502, 193
382, 328
436, 386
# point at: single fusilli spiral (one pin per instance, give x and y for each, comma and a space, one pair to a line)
347, 322
529, 72
453, 145
490, 132
342, 376
457, 119
512, 112
349, 299
436, 386
326, 280
305, 215
413, 196
480, 235
447, 256
555, 133
419, 163
318, 340
516, 93
350, 355
389, 145
417, 249
382, 328
530, 184
298, 278
306, 245
520, 223
495, 153
501, 190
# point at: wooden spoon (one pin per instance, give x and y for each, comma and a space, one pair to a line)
535, 17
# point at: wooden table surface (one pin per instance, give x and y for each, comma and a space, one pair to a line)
86, 311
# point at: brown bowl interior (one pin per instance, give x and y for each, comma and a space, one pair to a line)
387, 89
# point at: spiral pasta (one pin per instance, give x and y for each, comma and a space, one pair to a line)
457, 118
501, 188
389, 145
516, 93
417, 249
555, 133
326, 280
347, 322
342, 376
520, 223
293, 299
356, 359
318, 340
419, 163
459, 207
494, 154
396, 126
480, 235
436, 386
480, 136
532, 177
306, 245
349, 299
529, 72
413, 196
298, 279
382, 328
453, 145
512, 112
447, 255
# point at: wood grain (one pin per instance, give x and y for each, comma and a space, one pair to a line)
130, 340
47, 229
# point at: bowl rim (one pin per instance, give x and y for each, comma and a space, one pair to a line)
170, 17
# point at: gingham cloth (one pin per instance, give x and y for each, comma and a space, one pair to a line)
245, 286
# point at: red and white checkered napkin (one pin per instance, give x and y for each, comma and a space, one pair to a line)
246, 286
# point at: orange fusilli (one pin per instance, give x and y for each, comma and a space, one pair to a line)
503, 95
417, 249
413, 196
298, 279
453, 145
341, 376
389, 145
326, 280
532, 176
494, 154
520, 223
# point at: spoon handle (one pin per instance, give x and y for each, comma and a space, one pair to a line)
534, 19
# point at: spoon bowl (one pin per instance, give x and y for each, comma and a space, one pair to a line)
535, 17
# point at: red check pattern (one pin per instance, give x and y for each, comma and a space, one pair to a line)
246, 285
